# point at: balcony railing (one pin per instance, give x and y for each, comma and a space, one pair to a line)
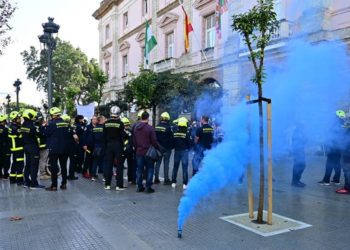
164, 65
208, 54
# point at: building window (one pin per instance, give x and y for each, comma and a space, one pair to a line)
144, 7
107, 32
107, 69
169, 43
125, 66
209, 23
125, 20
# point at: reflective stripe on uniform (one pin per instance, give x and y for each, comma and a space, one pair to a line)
13, 175
20, 159
161, 129
97, 130
24, 130
208, 130
19, 175
179, 135
62, 125
112, 125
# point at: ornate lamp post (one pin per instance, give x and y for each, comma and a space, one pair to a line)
17, 85
8, 97
49, 42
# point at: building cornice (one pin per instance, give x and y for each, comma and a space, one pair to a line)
107, 46
105, 6
168, 8
134, 31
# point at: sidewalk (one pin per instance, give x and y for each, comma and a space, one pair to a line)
86, 216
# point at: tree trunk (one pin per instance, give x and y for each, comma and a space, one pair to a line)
262, 158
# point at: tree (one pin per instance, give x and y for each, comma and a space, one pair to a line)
257, 26
6, 13
75, 79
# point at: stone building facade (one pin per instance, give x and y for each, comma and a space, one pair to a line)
219, 61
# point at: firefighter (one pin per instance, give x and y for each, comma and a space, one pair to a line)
113, 133
98, 147
128, 151
70, 148
16, 148
5, 154
165, 139
203, 140
88, 147
182, 145
57, 134
30, 136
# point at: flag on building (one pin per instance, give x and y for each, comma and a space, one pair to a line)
221, 7
150, 41
187, 30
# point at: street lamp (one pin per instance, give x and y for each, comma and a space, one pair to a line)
8, 97
49, 43
17, 85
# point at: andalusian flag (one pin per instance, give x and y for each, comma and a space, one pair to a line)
150, 41
187, 30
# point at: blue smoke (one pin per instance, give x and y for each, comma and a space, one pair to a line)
307, 87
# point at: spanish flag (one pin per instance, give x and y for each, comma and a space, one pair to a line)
187, 30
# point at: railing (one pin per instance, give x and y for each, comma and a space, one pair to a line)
164, 65
208, 54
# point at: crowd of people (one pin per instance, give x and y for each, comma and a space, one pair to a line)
33, 148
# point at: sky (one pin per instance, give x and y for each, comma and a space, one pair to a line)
76, 25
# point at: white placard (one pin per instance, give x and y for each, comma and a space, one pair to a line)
87, 111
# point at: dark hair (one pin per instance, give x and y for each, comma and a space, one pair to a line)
205, 118
144, 116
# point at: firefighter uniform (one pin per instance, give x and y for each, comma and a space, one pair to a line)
79, 128
31, 148
44, 153
165, 139
113, 133
205, 136
128, 151
88, 142
98, 151
57, 133
16, 148
5, 154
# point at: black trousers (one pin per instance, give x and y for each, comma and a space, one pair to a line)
113, 157
16, 174
5, 162
298, 170
88, 162
32, 165
53, 161
333, 162
129, 158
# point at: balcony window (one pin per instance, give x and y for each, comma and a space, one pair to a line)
125, 66
125, 20
170, 46
107, 32
107, 69
209, 23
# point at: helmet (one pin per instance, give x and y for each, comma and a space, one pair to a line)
139, 114
3, 117
176, 121
115, 111
341, 114
125, 121
14, 115
66, 118
29, 114
165, 116
55, 111
182, 122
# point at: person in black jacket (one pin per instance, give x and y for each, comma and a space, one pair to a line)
203, 140
165, 139
346, 165
88, 147
98, 141
30, 136
57, 134
113, 132
182, 144
44, 153
5, 154
79, 128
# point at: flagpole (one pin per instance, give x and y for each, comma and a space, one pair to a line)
196, 38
